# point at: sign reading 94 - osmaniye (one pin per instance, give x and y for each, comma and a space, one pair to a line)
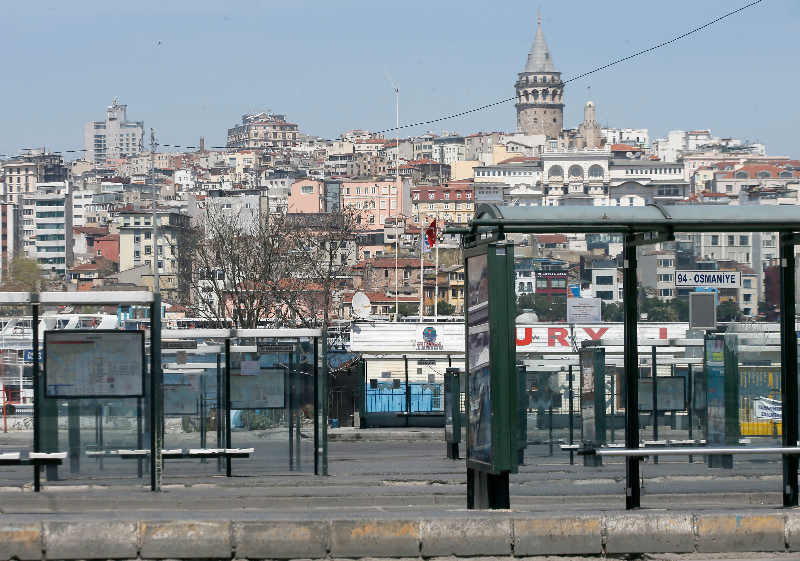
717, 279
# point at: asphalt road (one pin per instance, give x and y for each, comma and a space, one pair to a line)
412, 469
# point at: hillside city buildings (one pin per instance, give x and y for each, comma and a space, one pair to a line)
87, 222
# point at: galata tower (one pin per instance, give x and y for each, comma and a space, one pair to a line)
540, 107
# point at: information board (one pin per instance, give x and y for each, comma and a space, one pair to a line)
265, 390
94, 363
671, 393
583, 310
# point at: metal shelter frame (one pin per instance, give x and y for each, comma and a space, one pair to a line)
652, 224
116, 298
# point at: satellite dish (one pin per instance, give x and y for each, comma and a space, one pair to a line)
361, 305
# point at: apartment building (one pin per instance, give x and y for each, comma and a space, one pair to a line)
23, 172
113, 138
137, 247
263, 130
47, 226
452, 202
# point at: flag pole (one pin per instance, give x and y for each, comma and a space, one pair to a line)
436, 270
421, 272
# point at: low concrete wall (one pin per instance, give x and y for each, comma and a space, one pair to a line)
460, 534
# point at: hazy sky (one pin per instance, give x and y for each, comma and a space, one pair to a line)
321, 63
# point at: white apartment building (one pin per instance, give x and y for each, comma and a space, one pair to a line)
47, 226
631, 137
185, 180
657, 270
605, 285
116, 137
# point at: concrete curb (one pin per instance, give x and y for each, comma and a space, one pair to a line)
459, 534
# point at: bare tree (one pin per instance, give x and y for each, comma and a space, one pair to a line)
277, 269
330, 244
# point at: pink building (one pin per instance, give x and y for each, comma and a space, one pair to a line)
377, 199
307, 196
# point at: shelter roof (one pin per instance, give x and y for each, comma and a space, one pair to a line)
649, 218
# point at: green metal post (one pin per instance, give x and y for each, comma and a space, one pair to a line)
220, 418
317, 402
655, 397
362, 394
324, 402
631, 362
228, 404
789, 386
74, 435
156, 396
408, 392
38, 393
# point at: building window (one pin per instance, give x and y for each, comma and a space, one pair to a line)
558, 283
731, 240
307, 189
747, 283
541, 283
714, 240
665, 292
744, 240
605, 279
605, 294
665, 262
665, 278
430, 196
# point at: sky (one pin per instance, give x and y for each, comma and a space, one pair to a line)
321, 63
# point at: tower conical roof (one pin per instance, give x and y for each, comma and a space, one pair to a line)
539, 58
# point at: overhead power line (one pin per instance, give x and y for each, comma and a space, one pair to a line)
582, 75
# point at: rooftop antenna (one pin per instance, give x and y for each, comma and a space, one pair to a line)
540, 15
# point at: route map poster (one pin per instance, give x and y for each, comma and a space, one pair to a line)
262, 391
94, 363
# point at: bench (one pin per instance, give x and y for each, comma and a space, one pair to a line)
33, 459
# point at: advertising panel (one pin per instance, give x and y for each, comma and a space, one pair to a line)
479, 448
588, 426
448, 408
94, 363
715, 391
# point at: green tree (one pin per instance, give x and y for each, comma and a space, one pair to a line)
612, 312
547, 310
727, 311
22, 274
407, 309
445, 308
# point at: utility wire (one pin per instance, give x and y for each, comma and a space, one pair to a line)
484, 106
582, 75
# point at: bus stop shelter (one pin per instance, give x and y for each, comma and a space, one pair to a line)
649, 225
274, 373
